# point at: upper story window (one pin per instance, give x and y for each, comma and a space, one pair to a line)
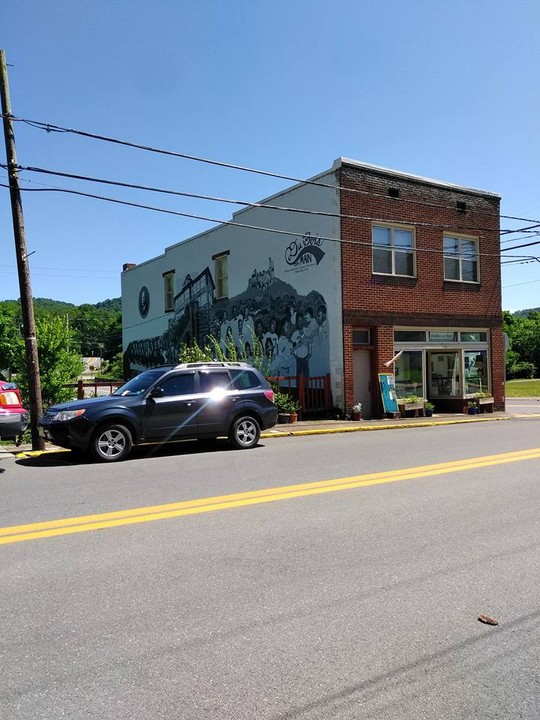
393, 250
460, 258
168, 290
221, 274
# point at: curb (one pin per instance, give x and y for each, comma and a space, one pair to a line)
374, 428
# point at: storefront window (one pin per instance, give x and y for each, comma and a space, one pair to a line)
409, 336
476, 371
408, 372
469, 337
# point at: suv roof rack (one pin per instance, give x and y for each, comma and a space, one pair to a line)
212, 364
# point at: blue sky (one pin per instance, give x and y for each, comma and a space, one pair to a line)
443, 89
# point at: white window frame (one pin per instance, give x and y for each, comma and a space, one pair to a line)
392, 248
459, 257
168, 290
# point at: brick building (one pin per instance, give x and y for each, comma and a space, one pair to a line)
379, 263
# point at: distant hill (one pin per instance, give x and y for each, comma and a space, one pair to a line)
525, 313
114, 305
43, 306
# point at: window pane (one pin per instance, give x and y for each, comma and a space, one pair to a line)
473, 337
469, 270
403, 239
382, 261
451, 269
409, 336
381, 235
360, 337
451, 246
178, 385
210, 381
468, 249
476, 371
409, 374
245, 379
404, 263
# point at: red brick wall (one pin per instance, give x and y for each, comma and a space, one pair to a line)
380, 301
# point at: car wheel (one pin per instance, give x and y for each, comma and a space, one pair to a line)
111, 443
245, 433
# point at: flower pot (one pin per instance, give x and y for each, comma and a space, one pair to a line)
428, 412
356, 416
472, 411
293, 417
283, 418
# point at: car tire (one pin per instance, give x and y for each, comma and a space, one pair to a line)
244, 433
111, 443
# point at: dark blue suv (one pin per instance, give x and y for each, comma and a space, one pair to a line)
191, 400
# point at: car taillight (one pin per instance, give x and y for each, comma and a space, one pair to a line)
9, 398
269, 394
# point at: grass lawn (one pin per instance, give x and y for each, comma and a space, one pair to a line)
523, 388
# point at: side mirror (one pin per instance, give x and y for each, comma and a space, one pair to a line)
156, 392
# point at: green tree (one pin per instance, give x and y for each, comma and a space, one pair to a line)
98, 330
11, 341
59, 360
114, 368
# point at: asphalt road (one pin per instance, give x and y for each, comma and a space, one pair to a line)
357, 598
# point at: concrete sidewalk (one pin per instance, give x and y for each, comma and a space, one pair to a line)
325, 427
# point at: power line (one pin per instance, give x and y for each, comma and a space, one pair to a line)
236, 224
167, 191
50, 127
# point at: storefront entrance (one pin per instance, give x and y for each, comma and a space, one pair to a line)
443, 374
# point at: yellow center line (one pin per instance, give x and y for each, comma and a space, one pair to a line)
86, 523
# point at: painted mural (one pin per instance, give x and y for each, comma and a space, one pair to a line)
292, 329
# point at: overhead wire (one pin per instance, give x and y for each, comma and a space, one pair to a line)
51, 127
166, 191
232, 222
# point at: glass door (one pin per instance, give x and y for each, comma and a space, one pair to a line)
444, 373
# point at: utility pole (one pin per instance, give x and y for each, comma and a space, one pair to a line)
27, 307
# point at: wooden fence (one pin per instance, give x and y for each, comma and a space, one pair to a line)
313, 393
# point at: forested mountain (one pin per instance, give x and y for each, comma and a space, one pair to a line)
525, 313
97, 328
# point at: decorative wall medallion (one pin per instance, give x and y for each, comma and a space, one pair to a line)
144, 301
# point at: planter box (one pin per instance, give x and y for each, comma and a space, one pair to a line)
416, 407
485, 404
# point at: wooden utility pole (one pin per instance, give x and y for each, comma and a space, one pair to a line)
27, 307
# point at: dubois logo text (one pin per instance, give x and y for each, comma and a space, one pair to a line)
304, 252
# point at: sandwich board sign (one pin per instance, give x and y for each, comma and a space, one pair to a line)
388, 392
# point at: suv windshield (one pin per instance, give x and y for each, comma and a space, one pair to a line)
138, 385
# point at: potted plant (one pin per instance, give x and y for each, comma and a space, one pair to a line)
471, 408
294, 407
357, 411
429, 407
281, 401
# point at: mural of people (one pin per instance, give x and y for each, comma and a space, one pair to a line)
287, 363
300, 347
297, 345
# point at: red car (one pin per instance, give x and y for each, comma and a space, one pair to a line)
13, 417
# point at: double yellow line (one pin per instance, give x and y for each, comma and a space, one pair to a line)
86, 523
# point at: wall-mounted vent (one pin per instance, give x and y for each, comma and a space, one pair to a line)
461, 206
393, 192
